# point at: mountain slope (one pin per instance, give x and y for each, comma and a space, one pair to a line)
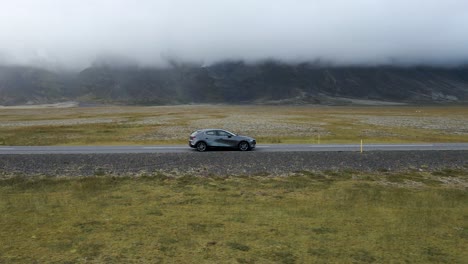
236, 82
19, 85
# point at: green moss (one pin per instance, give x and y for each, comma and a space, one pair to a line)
238, 246
301, 219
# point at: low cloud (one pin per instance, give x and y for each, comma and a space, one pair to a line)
77, 33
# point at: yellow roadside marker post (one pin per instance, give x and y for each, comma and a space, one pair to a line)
318, 139
361, 145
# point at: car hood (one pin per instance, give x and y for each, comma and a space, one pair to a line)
245, 137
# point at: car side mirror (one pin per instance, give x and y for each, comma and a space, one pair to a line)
229, 136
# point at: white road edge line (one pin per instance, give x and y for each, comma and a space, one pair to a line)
6, 148
380, 146
332, 146
165, 147
427, 145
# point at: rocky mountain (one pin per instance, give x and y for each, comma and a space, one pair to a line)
20, 85
236, 82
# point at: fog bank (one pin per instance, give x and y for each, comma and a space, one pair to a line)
76, 33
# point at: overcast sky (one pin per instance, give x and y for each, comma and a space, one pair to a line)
74, 33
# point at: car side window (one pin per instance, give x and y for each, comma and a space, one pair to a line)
210, 133
222, 133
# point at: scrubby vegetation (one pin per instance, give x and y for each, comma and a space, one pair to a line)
268, 124
305, 217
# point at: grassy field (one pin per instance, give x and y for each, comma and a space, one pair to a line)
268, 124
328, 217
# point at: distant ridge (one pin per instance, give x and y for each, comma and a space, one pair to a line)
236, 82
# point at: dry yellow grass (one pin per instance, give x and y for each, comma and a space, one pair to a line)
310, 217
269, 124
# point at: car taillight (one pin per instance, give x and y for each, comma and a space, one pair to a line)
192, 137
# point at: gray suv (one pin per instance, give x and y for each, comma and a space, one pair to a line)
214, 138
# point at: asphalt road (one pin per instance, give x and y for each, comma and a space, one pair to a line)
260, 148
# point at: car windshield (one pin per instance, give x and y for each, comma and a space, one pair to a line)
230, 133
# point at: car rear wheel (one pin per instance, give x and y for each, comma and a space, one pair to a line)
201, 146
244, 146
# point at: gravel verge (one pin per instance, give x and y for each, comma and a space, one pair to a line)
226, 163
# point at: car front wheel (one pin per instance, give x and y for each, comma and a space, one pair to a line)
201, 146
244, 146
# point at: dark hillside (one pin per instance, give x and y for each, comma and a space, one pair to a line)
236, 82
20, 85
